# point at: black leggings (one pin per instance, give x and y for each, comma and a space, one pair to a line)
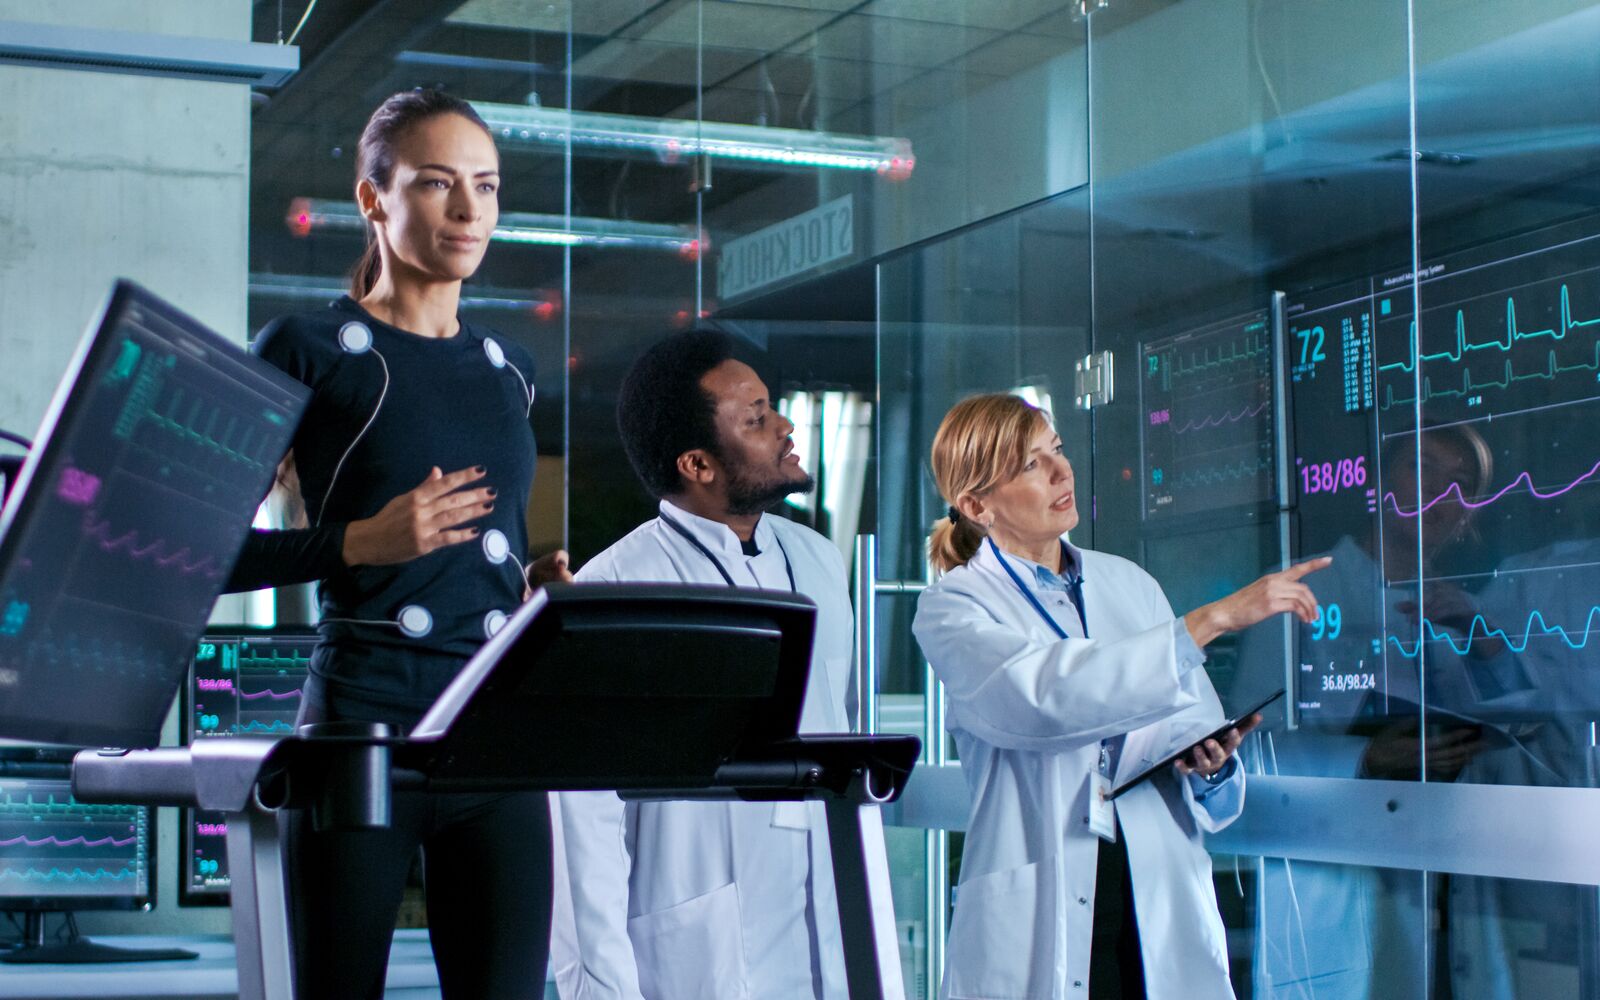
486, 870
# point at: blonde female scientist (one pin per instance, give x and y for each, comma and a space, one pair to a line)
1067, 672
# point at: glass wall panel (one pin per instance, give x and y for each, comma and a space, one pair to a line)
901, 107
1247, 233
1318, 931
997, 307
1503, 387
1287, 172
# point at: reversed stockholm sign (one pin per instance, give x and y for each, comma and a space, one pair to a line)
788, 248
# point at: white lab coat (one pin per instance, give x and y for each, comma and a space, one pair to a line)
1028, 712
709, 900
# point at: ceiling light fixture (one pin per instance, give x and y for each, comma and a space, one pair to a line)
674, 139
307, 214
95, 50
543, 305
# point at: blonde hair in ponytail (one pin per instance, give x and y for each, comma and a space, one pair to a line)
982, 443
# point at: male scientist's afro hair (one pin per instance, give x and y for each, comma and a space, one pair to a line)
662, 410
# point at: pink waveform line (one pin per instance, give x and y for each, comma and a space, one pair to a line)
1227, 418
1475, 504
70, 842
101, 533
268, 693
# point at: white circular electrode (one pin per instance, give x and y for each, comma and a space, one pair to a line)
497, 357
493, 622
355, 337
415, 621
495, 546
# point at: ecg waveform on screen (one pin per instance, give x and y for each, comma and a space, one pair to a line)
155, 551
1205, 359
1223, 420
269, 693
1479, 628
1523, 479
67, 842
199, 419
1504, 344
1507, 374
66, 874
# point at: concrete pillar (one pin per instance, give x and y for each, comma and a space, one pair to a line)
105, 176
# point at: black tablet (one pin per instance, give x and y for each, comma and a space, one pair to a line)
1216, 733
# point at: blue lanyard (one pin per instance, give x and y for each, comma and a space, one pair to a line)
1074, 591
689, 536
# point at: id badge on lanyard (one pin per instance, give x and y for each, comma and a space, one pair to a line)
1102, 811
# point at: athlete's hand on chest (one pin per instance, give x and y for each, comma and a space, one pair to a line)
420, 520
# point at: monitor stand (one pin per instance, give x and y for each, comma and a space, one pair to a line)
77, 950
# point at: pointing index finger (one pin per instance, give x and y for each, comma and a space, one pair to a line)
1299, 570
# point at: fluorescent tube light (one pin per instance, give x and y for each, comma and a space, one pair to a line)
306, 214
674, 138
543, 305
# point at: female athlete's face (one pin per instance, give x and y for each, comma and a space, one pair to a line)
442, 202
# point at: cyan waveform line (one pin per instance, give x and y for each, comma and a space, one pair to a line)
1552, 369
1567, 325
274, 657
1203, 361
1455, 488
186, 429
268, 693
100, 533
1223, 473
265, 727
1473, 631
1226, 418
28, 805
70, 842
57, 875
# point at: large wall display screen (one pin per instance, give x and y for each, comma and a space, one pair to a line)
1446, 456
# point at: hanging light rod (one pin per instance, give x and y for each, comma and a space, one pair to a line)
673, 139
307, 214
543, 304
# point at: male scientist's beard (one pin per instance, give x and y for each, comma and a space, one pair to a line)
750, 492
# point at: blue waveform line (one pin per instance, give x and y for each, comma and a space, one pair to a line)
1223, 473
274, 727
1567, 325
57, 875
1474, 632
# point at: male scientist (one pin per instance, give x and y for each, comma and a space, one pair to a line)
668, 900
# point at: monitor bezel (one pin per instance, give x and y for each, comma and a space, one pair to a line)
39, 761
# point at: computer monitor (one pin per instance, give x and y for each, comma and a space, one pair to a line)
126, 519
57, 854
242, 681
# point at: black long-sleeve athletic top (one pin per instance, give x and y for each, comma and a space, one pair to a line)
386, 407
